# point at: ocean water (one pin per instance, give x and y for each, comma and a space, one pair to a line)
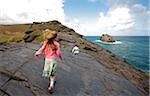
135, 49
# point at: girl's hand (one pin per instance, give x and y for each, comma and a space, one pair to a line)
63, 61
36, 55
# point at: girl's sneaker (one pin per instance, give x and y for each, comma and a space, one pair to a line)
50, 90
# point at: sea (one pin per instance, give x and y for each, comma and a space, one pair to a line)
135, 49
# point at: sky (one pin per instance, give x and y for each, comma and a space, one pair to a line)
87, 17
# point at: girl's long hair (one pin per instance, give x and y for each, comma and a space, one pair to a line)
50, 41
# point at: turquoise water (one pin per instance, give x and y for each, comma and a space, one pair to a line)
135, 49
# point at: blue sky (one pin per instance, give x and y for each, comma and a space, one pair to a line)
84, 9
87, 17
144, 2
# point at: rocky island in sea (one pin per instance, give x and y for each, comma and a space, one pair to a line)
94, 72
107, 38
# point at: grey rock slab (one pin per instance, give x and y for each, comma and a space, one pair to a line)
79, 75
14, 88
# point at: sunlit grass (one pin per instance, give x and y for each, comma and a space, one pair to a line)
11, 37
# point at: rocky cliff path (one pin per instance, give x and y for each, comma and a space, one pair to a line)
82, 75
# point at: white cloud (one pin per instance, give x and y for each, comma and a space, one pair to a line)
76, 25
141, 15
27, 11
120, 3
140, 10
121, 20
112, 22
116, 19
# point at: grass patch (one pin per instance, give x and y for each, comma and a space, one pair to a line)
147, 75
11, 37
14, 28
39, 39
4, 38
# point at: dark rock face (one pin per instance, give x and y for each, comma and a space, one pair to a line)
82, 75
107, 38
29, 38
28, 32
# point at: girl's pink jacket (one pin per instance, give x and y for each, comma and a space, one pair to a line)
48, 52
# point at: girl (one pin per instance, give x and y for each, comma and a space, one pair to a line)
51, 50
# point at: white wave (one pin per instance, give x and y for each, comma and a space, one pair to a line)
116, 42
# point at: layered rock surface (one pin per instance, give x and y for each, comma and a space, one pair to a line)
82, 75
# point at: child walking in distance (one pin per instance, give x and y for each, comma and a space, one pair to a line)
75, 50
50, 50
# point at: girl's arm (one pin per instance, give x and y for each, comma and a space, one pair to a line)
58, 52
41, 49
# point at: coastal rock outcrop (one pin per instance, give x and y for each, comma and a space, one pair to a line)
106, 38
35, 31
94, 72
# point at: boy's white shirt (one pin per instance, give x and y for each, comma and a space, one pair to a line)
75, 49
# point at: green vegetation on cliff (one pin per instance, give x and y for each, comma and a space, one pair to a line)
31, 32
11, 37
